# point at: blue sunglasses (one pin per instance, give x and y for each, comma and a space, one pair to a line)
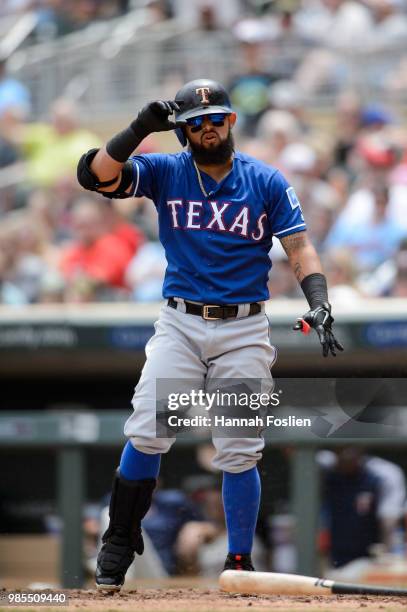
195, 123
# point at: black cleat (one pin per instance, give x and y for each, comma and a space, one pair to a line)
114, 559
238, 562
129, 504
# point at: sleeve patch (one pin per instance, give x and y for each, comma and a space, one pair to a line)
293, 199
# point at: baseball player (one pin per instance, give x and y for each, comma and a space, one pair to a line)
218, 211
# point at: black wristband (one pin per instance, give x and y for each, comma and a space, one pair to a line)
315, 289
121, 146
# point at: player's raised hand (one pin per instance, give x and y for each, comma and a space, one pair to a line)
155, 117
321, 320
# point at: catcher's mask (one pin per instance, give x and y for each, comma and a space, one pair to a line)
200, 97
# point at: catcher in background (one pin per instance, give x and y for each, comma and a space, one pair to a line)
218, 211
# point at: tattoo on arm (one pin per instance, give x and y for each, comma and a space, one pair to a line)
298, 271
301, 255
294, 241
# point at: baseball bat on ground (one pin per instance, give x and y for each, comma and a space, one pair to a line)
269, 583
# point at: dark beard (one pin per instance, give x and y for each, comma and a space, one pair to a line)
216, 156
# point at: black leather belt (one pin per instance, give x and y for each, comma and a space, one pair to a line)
212, 312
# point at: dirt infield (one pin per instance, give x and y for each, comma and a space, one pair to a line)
211, 600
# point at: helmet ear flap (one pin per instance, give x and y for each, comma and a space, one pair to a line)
180, 134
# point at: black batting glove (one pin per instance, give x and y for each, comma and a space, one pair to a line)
321, 320
154, 117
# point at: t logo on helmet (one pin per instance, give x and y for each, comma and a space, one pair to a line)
203, 92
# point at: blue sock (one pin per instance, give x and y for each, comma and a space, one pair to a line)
135, 465
241, 500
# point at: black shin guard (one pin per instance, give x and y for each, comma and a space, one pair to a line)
129, 504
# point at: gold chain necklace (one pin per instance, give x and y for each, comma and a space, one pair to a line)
199, 177
198, 174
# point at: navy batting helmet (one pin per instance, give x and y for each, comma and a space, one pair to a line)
200, 97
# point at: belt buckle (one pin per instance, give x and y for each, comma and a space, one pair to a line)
206, 314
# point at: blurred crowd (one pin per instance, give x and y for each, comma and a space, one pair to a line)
59, 17
348, 164
351, 182
336, 22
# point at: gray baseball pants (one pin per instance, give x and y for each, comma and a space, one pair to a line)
186, 346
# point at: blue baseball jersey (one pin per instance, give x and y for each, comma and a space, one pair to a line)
217, 247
